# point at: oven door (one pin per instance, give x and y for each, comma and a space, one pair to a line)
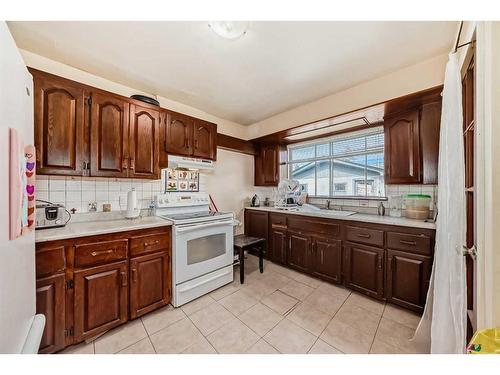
202, 248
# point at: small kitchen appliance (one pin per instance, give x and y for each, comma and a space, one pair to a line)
50, 215
255, 201
202, 244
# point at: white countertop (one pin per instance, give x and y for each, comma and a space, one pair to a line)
366, 218
91, 228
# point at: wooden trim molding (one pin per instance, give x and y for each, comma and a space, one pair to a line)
226, 142
372, 115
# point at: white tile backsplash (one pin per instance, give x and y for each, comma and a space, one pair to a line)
78, 192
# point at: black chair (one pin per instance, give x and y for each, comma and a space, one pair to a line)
244, 243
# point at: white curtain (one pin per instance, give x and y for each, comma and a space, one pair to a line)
443, 325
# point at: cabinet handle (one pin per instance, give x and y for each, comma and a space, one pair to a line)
134, 275
321, 256
124, 278
195, 143
132, 163
379, 262
411, 243
146, 244
96, 253
124, 164
364, 235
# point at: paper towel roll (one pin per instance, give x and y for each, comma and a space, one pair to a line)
132, 210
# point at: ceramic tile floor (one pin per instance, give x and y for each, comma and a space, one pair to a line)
279, 311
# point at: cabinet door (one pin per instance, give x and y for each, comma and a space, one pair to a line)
408, 279
402, 148
109, 136
50, 302
364, 269
299, 251
144, 142
205, 140
327, 258
277, 245
256, 223
60, 137
101, 299
150, 283
267, 166
179, 138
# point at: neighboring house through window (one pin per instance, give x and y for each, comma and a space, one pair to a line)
345, 165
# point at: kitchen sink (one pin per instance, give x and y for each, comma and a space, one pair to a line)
337, 213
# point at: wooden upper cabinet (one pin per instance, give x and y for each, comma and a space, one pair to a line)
59, 114
402, 148
267, 165
109, 136
204, 140
179, 134
144, 142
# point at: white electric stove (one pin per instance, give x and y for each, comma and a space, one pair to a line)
202, 244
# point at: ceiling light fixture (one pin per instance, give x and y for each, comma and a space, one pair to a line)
231, 30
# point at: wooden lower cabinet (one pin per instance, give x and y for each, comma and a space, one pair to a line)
89, 285
149, 283
407, 279
364, 269
327, 258
277, 245
101, 299
50, 302
299, 248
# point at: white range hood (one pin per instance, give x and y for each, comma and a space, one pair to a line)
189, 163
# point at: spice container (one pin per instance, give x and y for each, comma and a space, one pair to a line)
417, 206
395, 205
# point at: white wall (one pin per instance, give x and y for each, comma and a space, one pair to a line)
231, 183
17, 257
421, 76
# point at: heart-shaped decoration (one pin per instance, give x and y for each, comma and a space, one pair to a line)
30, 189
31, 197
31, 210
30, 166
29, 174
30, 223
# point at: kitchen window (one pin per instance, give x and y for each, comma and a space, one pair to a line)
346, 165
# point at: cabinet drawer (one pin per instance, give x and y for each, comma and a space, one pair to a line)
365, 235
303, 224
49, 260
100, 252
277, 220
149, 243
415, 243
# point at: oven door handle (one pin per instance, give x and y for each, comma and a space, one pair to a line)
187, 228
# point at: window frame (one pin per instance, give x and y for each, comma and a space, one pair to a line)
379, 129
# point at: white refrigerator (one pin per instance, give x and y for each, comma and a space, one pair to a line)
20, 329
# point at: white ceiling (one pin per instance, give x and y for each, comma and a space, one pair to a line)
276, 66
